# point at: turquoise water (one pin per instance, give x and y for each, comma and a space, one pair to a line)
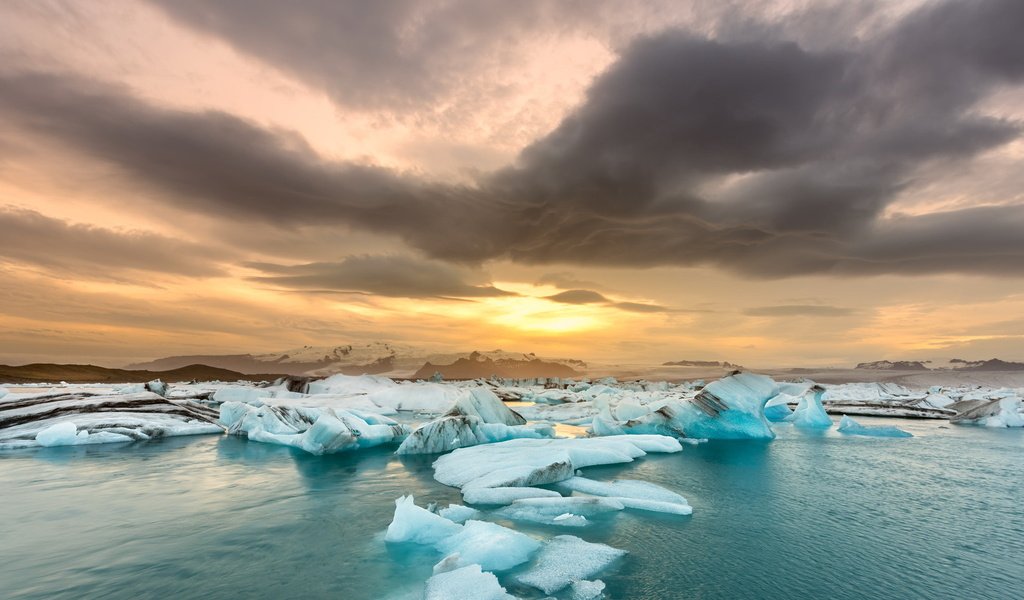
940, 515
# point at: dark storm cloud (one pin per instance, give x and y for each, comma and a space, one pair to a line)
798, 310
396, 276
762, 157
390, 53
29, 237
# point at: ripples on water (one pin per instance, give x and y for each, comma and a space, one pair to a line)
940, 515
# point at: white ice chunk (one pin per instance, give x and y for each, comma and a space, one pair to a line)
493, 547
587, 590
528, 462
58, 434
458, 513
851, 427
626, 488
565, 559
810, 413
504, 495
467, 583
412, 523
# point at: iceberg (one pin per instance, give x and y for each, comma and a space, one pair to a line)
467, 583
997, 412
529, 462
415, 524
565, 559
810, 413
478, 418
638, 495
504, 495
730, 408
493, 547
851, 427
315, 430
61, 419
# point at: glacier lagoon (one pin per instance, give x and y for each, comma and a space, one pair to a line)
809, 515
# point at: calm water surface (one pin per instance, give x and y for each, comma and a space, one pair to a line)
940, 515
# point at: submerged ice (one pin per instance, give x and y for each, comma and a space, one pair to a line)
851, 427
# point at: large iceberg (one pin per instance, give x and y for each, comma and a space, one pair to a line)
528, 462
851, 427
62, 419
493, 547
478, 418
315, 430
1007, 411
810, 413
730, 408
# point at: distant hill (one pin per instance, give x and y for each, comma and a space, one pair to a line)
53, 373
477, 365
888, 365
992, 364
700, 363
373, 358
955, 364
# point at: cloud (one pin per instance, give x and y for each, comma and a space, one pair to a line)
84, 250
395, 276
578, 297
799, 310
759, 156
592, 297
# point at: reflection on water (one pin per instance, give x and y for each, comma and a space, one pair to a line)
806, 516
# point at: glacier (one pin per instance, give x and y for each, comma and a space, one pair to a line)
86, 417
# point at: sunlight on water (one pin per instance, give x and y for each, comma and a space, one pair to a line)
939, 515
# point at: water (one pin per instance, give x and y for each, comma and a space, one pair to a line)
940, 515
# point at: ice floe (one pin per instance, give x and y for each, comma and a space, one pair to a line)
529, 462
639, 495
466, 583
315, 430
851, 427
565, 559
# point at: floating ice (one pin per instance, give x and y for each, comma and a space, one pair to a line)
504, 495
587, 590
478, 418
997, 412
550, 508
851, 427
493, 547
315, 430
467, 583
415, 524
458, 513
809, 413
732, 407
640, 495
57, 419
528, 462
565, 559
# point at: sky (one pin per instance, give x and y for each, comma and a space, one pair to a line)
771, 183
